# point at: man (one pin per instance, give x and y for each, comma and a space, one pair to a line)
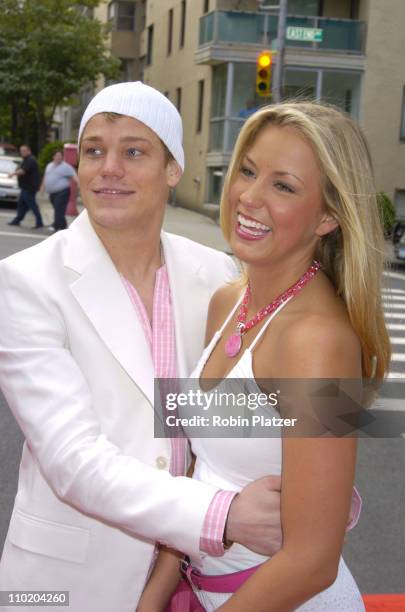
89, 316
56, 183
28, 177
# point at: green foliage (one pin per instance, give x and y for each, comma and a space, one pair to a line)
387, 212
47, 152
5, 122
49, 49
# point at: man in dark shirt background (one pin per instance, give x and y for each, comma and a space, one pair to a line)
29, 181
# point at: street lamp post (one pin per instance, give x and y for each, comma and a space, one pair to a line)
278, 69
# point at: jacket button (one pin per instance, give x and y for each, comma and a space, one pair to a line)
161, 463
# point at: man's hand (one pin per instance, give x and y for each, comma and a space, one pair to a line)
18, 172
254, 516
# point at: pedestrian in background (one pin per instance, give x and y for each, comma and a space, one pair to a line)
29, 180
56, 183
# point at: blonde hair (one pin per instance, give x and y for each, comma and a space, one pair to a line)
352, 256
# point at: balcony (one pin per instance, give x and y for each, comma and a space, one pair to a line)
236, 28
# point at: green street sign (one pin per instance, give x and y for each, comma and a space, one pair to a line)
304, 34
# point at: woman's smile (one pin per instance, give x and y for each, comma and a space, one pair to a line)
249, 228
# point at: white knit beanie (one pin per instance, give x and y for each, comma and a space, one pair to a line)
142, 102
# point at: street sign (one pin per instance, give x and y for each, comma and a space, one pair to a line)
304, 34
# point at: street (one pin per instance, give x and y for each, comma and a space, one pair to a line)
375, 550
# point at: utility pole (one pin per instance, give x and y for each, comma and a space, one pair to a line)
278, 69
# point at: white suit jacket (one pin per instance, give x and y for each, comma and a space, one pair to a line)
94, 490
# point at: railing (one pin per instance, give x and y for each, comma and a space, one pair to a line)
345, 35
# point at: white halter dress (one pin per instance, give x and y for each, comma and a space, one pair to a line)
232, 463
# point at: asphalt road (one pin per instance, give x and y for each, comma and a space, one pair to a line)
375, 550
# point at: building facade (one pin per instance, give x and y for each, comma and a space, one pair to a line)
202, 55
126, 22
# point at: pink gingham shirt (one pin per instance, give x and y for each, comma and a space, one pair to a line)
162, 341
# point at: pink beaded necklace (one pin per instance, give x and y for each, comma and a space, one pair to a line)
234, 342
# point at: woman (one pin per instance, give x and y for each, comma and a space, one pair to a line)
56, 182
298, 205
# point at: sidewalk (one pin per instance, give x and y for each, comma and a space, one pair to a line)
195, 226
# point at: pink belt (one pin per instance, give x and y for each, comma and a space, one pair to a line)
223, 583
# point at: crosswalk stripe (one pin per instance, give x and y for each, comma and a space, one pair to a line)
391, 306
387, 299
388, 291
388, 403
24, 235
394, 275
393, 299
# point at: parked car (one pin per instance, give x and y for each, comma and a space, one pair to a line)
9, 190
8, 149
398, 239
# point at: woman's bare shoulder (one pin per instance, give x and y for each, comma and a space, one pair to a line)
320, 344
226, 295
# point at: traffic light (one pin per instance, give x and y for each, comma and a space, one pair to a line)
263, 74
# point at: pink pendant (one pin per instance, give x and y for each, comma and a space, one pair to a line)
233, 345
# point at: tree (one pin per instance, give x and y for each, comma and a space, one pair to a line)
387, 212
49, 49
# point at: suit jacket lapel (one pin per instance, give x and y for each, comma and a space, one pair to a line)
190, 299
101, 294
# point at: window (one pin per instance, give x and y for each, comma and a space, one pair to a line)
143, 14
126, 16
219, 90
178, 99
300, 84
183, 23
112, 9
343, 90
304, 7
170, 32
215, 181
200, 105
402, 129
354, 9
206, 6
122, 15
149, 52
399, 199
127, 69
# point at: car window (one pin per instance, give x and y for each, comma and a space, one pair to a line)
8, 150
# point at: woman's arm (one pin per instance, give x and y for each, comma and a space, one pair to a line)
317, 480
162, 583
165, 575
